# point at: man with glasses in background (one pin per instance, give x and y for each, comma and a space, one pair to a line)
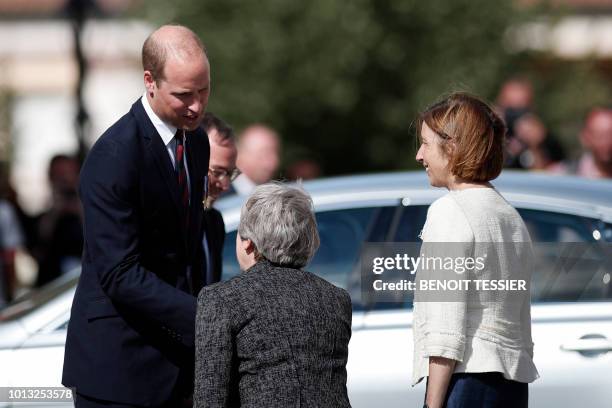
221, 172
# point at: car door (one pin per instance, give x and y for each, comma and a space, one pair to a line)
571, 310
39, 360
35, 357
382, 364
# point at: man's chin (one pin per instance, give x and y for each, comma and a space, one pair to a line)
190, 127
190, 124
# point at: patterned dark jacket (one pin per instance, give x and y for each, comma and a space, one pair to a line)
272, 337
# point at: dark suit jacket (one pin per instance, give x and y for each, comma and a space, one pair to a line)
272, 337
131, 331
215, 235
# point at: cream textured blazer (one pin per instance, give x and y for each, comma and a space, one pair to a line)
491, 336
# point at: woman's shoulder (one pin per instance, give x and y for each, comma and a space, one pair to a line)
325, 284
224, 290
446, 209
444, 205
446, 222
488, 211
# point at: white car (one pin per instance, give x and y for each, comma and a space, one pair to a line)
571, 312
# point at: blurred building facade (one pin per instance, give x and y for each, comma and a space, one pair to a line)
582, 29
38, 78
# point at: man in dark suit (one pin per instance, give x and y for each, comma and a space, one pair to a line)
275, 336
221, 171
131, 333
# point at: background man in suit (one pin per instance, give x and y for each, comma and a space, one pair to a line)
221, 171
131, 333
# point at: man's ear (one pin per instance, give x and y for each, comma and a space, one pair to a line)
149, 83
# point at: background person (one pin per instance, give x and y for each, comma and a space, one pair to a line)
58, 240
529, 145
514, 100
596, 140
11, 240
304, 169
221, 171
276, 335
473, 354
258, 157
539, 150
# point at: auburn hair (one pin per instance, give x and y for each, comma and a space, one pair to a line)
472, 135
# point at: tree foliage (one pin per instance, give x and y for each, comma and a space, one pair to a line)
343, 81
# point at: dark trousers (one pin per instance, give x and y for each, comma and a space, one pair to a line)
82, 401
485, 390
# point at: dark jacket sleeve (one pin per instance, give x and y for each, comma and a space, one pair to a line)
216, 236
109, 195
221, 233
214, 350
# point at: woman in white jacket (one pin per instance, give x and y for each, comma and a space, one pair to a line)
474, 346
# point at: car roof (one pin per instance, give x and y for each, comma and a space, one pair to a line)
594, 190
589, 197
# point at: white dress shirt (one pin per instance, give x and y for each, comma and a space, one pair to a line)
166, 131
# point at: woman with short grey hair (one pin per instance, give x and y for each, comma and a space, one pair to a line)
279, 220
275, 336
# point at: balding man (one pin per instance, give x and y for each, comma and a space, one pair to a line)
131, 333
258, 157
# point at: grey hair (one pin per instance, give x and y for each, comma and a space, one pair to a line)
279, 220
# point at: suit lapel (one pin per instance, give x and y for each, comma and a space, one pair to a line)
160, 154
195, 173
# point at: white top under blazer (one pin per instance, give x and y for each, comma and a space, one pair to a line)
482, 337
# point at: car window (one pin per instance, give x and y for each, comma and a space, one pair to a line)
577, 278
410, 224
571, 255
406, 226
548, 226
342, 233
230, 263
63, 326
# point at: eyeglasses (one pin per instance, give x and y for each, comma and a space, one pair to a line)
222, 174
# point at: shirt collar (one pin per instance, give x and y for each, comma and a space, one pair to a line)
165, 130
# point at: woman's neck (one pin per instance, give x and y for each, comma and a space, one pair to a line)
457, 185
